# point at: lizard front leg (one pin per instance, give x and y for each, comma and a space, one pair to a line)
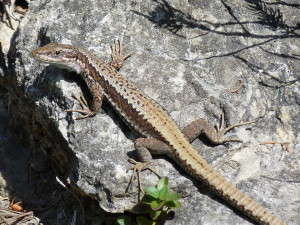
87, 111
117, 60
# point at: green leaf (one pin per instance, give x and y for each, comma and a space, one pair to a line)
144, 221
162, 183
156, 205
152, 191
173, 204
174, 196
124, 220
164, 193
147, 199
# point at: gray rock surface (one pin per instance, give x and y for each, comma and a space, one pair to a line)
187, 55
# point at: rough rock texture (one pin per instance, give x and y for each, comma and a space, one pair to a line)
189, 56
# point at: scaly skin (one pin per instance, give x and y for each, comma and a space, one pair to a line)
148, 118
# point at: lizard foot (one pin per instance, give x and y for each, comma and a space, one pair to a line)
221, 130
117, 57
85, 109
137, 168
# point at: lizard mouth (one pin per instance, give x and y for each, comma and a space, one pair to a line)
37, 55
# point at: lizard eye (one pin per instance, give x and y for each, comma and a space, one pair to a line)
57, 52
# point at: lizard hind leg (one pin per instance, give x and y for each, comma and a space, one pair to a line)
215, 136
136, 169
143, 148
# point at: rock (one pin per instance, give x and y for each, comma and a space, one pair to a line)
189, 57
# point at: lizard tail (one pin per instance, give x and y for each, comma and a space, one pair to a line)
197, 166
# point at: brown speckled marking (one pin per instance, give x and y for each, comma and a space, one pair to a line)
149, 119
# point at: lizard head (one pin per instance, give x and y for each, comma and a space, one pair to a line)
60, 55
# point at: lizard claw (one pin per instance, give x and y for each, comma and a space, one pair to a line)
117, 57
85, 109
221, 130
137, 168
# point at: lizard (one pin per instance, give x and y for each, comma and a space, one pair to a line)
159, 132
